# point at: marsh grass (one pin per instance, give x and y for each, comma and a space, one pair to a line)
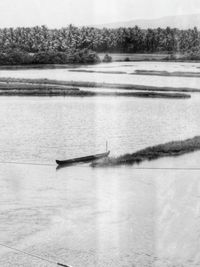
170, 149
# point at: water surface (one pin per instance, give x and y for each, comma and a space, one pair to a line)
126, 78
101, 217
42, 129
122, 216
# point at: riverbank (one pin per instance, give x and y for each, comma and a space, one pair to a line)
171, 149
135, 56
162, 57
98, 58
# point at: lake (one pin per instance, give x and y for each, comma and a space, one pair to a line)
83, 216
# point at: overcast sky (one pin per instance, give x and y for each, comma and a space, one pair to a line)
59, 13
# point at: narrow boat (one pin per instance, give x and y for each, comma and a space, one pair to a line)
83, 159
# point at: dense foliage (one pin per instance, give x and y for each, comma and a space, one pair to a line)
15, 57
42, 39
74, 45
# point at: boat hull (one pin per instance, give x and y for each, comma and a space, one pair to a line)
83, 159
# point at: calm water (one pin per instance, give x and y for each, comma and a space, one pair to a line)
43, 129
97, 217
126, 78
101, 217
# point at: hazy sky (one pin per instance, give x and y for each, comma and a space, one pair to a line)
58, 13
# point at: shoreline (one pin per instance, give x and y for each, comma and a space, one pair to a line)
116, 57
78, 65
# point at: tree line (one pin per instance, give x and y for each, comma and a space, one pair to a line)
77, 43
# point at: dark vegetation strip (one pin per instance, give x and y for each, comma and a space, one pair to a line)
28, 86
99, 71
99, 85
9, 81
52, 91
42, 92
171, 149
166, 73
40, 66
153, 95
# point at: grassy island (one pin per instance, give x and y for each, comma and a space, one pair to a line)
45, 87
166, 73
84, 84
171, 149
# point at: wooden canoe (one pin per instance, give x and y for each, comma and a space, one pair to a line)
83, 159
